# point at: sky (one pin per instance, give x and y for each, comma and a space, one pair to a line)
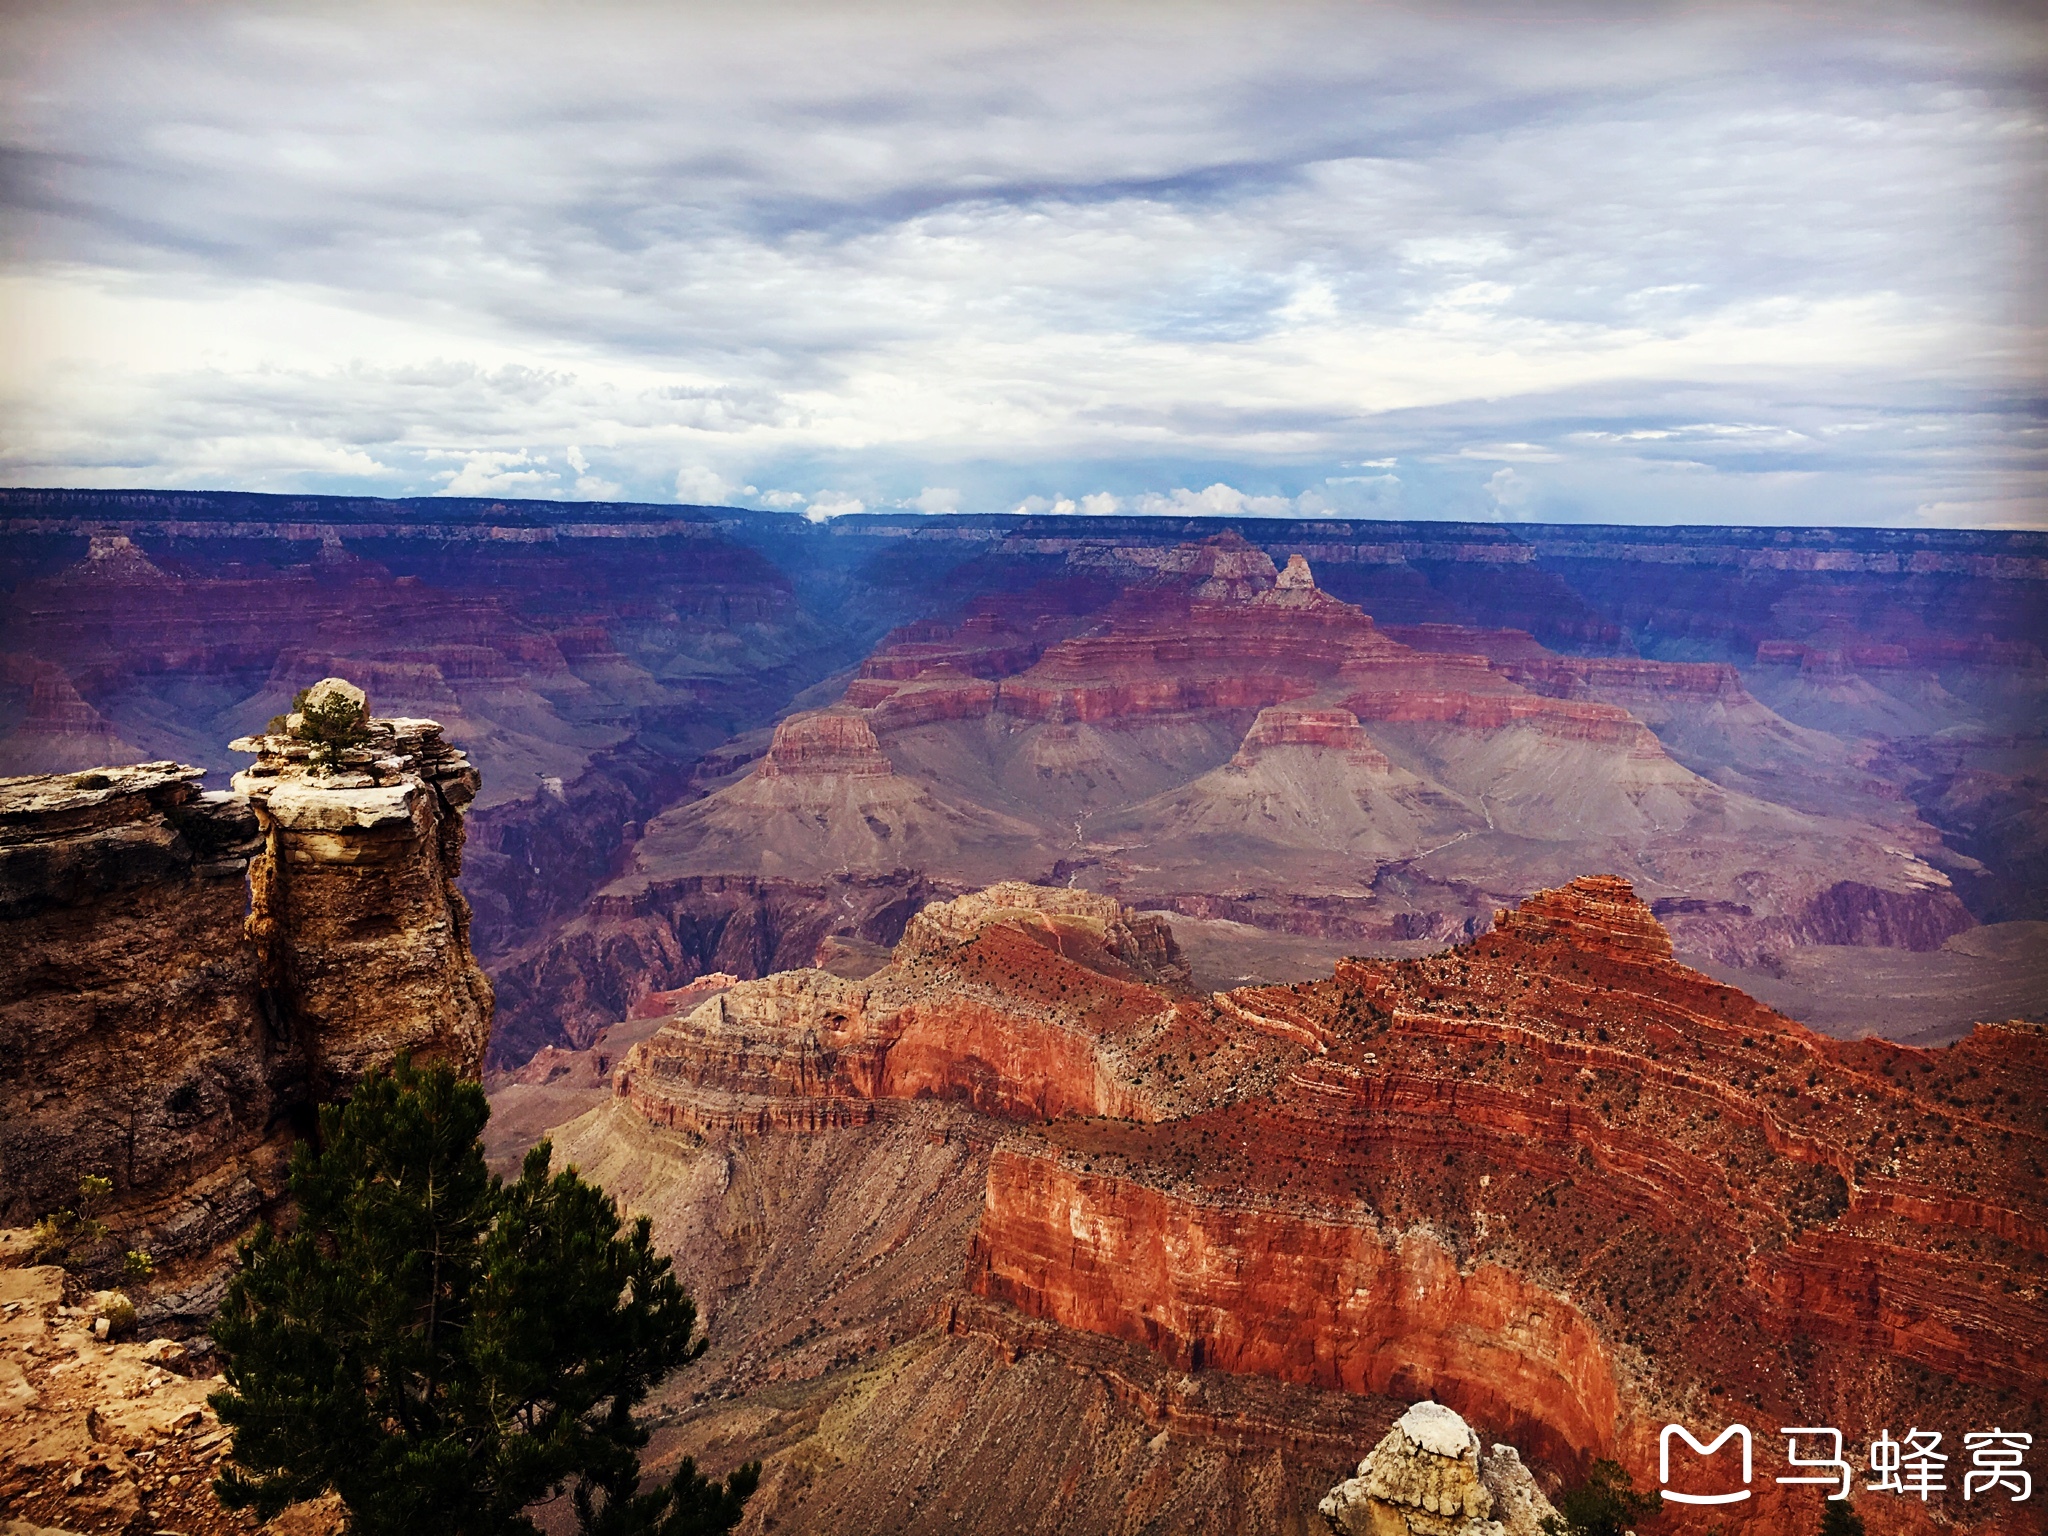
1647, 263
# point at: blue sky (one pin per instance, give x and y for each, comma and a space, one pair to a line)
1652, 263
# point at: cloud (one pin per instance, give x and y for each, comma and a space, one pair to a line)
294, 247
934, 498
497, 474
1513, 453
697, 486
1509, 491
1218, 500
827, 505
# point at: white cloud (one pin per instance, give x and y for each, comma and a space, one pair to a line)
1513, 453
1352, 496
934, 498
827, 505
497, 474
1510, 492
783, 501
1101, 504
1217, 500
700, 487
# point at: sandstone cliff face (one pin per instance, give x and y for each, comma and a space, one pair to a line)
1570, 1188
360, 930
187, 973
1550, 1179
953, 1017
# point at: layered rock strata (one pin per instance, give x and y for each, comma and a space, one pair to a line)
188, 972
1551, 1178
361, 933
1015, 1001
1220, 734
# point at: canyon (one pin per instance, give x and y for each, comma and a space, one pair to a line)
1860, 704
1022, 1204
1114, 1009
1226, 740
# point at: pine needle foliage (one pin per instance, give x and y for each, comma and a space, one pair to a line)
443, 1349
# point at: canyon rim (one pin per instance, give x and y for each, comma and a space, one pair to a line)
1103, 1037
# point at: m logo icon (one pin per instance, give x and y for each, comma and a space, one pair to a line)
1664, 1463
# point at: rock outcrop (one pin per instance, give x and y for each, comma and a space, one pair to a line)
361, 933
829, 742
1013, 1000
188, 972
1337, 729
1550, 1179
825, 799
1429, 1477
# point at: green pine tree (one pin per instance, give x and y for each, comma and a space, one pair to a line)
1838, 1518
443, 1349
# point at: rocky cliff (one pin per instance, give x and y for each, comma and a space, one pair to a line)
1016, 1001
1429, 1476
188, 972
1551, 1179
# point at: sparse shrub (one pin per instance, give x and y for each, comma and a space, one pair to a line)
1839, 1518
70, 1237
138, 1265
117, 1309
331, 719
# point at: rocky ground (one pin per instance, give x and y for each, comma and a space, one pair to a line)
103, 1432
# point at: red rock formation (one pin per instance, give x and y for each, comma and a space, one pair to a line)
646, 936
1653, 1187
1551, 1178
1336, 729
983, 1005
1317, 1298
837, 742
660, 1005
